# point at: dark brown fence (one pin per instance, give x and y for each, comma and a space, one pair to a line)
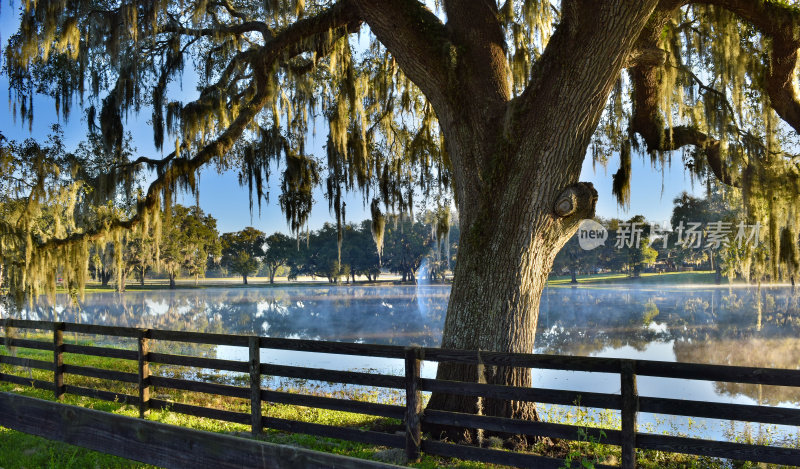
157, 443
628, 402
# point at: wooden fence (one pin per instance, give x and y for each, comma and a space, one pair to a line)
157, 443
628, 402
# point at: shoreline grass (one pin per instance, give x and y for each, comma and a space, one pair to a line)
666, 279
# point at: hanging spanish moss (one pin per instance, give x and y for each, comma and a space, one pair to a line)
697, 98
262, 80
621, 186
378, 226
299, 179
788, 252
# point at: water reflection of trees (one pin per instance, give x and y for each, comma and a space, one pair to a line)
739, 326
714, 325
585, 321
391, 315
781, 352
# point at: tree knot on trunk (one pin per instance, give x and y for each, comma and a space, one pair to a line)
576, 201
647, 57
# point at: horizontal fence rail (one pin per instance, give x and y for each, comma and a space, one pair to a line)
157, 443
414, 417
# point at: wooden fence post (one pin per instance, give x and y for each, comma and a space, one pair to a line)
413, 404
144, 373
255, 386
630, 407
58, 360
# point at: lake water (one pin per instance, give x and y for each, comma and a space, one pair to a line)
719, 325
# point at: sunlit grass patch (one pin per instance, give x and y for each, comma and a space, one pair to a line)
666, 278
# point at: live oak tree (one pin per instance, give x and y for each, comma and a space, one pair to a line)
278, 252
189, 241
639, 253
500, 103
407, 241
319, 255
360, 253
243, 251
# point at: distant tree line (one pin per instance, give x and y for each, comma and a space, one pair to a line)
702, 235
190, 245
186, 242
408, 244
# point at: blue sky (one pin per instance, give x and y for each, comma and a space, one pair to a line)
651, 191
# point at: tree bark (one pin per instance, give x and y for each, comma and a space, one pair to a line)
123, 280
516, 164
171, 280
494, 305
244, 279
105, 277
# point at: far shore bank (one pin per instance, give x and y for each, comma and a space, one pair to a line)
665, 279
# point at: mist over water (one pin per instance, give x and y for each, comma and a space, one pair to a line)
698, 324
572, 321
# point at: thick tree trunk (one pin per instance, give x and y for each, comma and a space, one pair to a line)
244, 279
516, 169
105, 277
494, 305
272, 274
515, 160
171, 280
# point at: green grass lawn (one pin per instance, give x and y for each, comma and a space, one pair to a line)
666, 278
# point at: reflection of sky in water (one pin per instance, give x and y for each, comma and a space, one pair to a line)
687, 324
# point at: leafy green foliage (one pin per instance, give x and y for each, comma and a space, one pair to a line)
242, 251
407, 244
189, 242
733, 258
278, 252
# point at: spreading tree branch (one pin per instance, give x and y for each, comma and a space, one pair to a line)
418, 41
595, 38
781, 23
216, 31
285, 45
778, 22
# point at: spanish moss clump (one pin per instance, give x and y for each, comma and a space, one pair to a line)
441, 222
299, 179
378, 226
621, 186
788, 252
